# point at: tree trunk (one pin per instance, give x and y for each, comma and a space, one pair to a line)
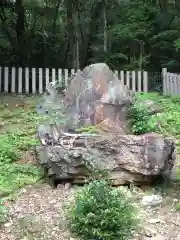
56, 15
105, 26
87, 52
163, 5
70, 31
20, 29
76, 20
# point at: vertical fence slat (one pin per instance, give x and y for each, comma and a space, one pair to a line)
128, 78
116, 73
145, 81
178, 84
174, 85
122, 76
165, 84
27, 80
66, 77
168, 83
6, 79
60, 76
171, 84
164, 72
47, 77
53, 75
33, 80
13, 76
134, 81
19, 80
139, 81
40, 81
72, 72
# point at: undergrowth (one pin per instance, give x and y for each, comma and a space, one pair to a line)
166, 121
16, 137
102, 212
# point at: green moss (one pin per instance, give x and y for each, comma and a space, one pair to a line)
90, 129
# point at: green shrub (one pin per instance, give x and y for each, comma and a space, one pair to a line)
102, 212
140, 120
166, 122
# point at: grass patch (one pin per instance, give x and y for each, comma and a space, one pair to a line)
167, 121
177, 207
17, 135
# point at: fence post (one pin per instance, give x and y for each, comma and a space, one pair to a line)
122, 77
53, 75
128, 79
33, 80
134, 81
20, 80
13, 80
164, 72
40, 81
47, 77
27, 80
6, 79
145, 81
139, 81
66, 77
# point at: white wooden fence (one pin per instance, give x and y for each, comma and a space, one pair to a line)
171, 83
35, 80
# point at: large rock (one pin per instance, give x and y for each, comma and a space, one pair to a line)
97, 94
97, 97
127, 158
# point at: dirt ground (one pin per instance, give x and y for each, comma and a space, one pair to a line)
38, 213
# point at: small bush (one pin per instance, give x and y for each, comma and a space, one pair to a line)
102, 213
140, 120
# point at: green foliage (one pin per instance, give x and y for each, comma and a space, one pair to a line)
16, 137
90, 129
139, 34
177, 207
166, 122
102, 212
177, 44
140, 120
